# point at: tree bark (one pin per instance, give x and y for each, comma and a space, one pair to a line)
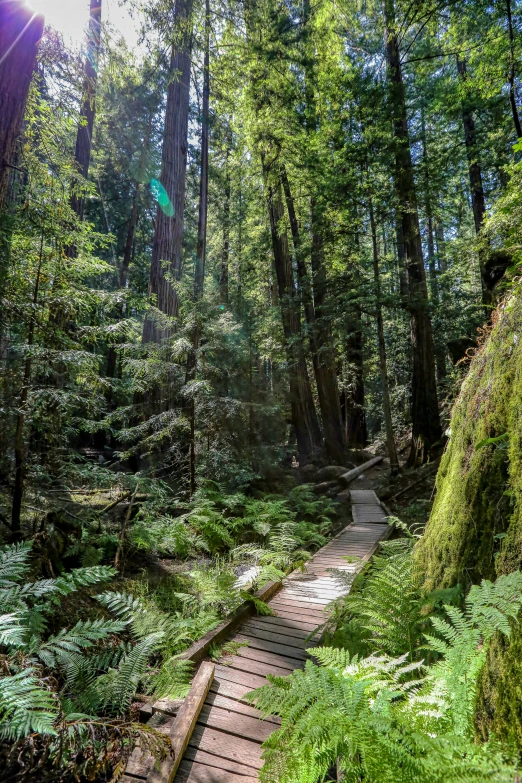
304, 416
426, 427
19, 447
478, 200
82, 153
322, 353
199, 272
20, 33
512, 75
323, 347
430, 237
225, 255
166, 261
386, 404
356, 433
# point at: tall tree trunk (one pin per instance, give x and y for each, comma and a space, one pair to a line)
19, 447
386, 404
166, 261
356, 432
430, 236
225, 255
199, 272
322, 354
512, 75
478, 200
324, 361
82, 153
441, 245
20, 33
426, 427
304, 416
112, 355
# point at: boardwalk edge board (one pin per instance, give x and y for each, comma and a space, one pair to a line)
142, 766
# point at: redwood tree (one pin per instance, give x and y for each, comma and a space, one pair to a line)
166, 261
426, 427
82, 153
20, 33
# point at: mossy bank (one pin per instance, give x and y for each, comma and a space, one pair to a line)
475, 528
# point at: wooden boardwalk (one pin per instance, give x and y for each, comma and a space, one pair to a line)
225, 746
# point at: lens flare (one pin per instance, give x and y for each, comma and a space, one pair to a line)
162, 197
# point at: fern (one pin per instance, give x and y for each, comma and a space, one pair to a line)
386, 605
119, 685
11, 630
56, 649
25, 706
14, 563
386, 719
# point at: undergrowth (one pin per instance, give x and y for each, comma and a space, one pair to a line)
392, 697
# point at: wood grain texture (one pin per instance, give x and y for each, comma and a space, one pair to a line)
219, 743
184, 723
192, 772
235, 724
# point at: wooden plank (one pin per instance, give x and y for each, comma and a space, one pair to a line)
184, 724
219, 743
202, 757
232, 690
319, 591
233, 723
192, 772
240, 677
292, 596
363, 496
262, 656
216, 700
259, 667
283, 649
288, 629
270, 636
298, 609
296, 623
369, 514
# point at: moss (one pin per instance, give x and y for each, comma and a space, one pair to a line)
471, 505
475, 528
499, 705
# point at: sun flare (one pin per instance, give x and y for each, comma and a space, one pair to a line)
71, 17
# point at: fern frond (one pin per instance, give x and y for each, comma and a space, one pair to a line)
12, 631
119, 685
14, 563
57, 648
25, 706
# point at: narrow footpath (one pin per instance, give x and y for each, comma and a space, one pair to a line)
225, 746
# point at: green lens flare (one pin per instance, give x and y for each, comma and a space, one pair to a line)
162, 197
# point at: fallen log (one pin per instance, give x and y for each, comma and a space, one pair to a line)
347, 478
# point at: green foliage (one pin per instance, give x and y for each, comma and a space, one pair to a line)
382, 718
48, 679
385, 609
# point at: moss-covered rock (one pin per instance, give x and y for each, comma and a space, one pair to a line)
475, 528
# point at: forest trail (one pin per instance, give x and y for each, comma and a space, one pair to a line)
226, 743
